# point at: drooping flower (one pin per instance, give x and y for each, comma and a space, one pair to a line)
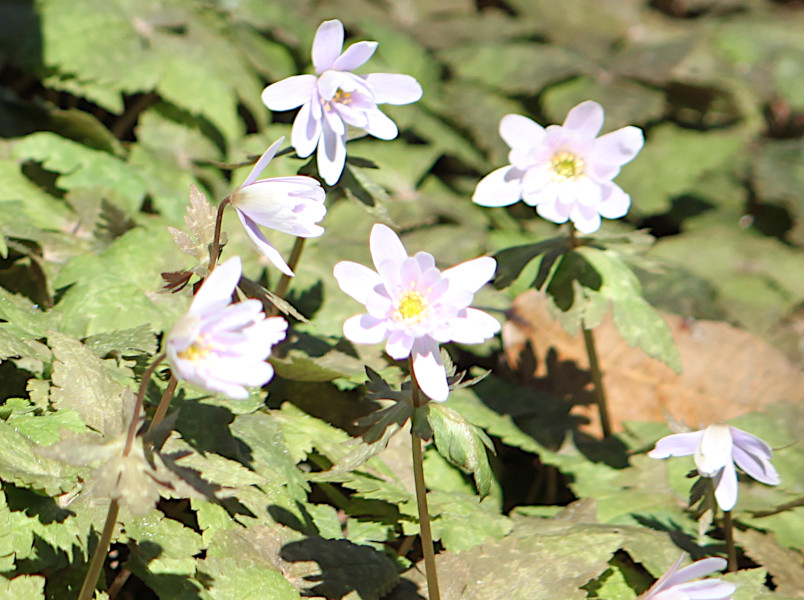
676, 584
416, 306
335, 98
716, 449
565, 171
292, 205
220, 346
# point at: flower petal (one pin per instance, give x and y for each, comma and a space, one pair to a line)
399, 344
475, 327
355, 279
521, 132
386, 249
619, 147
501, 187
306, 130
380, 125
726, 486
714, 450
331, 156
585, 120
365, 329
584, 218
697, 569
260, 165
615, 202
327, 45
354, 56
289, 93
393, 88
215, 293
429, 370
263, 245
677, 444
752, 455
472, 274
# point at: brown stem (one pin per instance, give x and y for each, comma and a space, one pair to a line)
295, 254
728, 531
132, 428
164, 403
597, 381
95, 565
215, 250
421, 500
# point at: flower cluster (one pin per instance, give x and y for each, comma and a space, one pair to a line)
335, 98
416, 306
220, 346
716, 449
564, 171
676, 584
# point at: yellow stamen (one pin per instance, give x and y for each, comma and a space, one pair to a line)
340, 97
412, 308
200, 349
566, 166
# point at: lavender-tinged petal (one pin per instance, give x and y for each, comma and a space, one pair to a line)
329, 82
238, 371
553, 210
472, 274
399, 344
521, 132
677, 444
354, 56
263, 245
426, 262
327, 45
501, 187
714, 450
387, 251
750, 443
697, 569
365, 329
392, 88
215, 293
260, 165
585, 120
331, 156
475, 327
711, 589
352, 115
289, 93
429, 370
306, 131
726, 487
615, 202
661, 583
380, 125
585, 219
756, 466
265, 200
271, 330
237, 316
537, 179
619, 147
356, 280
409, 273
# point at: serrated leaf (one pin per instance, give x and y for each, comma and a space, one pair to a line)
200, 221
20, 465
30, 587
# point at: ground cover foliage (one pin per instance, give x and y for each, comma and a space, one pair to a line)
110, 113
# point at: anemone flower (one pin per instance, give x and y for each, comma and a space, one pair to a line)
676, 584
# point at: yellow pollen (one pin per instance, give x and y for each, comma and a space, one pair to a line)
411, 308
342, 97
198, 351
566, 166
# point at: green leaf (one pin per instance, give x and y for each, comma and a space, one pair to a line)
30, 587
20, 465
462, 444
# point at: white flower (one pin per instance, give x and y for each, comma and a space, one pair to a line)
221, 346
288, 204
564, 171
676, 584
416, 306
334, 99
716, 449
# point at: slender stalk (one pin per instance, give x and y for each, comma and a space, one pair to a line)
594, 364
597, 381
146, 377
164, 403
96, 564
215, 251
731, 549
295, 254
421, 501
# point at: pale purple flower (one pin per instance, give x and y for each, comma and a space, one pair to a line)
564, 171
220, 346
334, 99
416, 306
292, 205
716, 449
676, 584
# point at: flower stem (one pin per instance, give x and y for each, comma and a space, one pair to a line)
594, 364
95, 565
164, 403
421, 501
728, 531
215, 250
295, 254
133, 426
597, 381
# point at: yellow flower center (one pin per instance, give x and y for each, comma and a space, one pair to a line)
566, 166
412, 308
340, 97
200, 349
